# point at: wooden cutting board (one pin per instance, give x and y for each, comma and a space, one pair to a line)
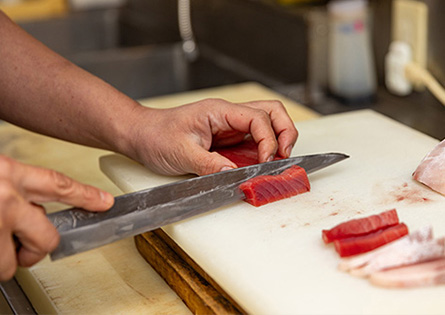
271, 260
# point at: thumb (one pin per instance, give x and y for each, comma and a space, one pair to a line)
205, 162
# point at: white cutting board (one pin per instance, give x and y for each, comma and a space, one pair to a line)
272, 260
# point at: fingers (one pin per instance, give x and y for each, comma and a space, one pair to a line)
8, 261
42, 185
179, 141
205, 162
27, 221
256, 122
269, 124
36, 234
282, 124
21, 187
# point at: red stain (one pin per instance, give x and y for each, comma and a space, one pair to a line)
408, 194
334, 213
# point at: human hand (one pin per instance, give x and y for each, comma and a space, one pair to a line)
176, 141
22, 187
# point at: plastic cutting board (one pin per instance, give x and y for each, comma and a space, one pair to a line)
272, 260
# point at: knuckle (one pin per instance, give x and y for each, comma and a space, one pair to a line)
277, 103
212, 102
63, 185
89, 193
262, 114
8, 193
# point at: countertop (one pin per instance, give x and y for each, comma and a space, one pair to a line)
114, 278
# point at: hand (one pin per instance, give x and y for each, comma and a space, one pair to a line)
176, 141
22, 187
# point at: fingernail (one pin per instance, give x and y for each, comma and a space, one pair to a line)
226, 168
289, 150
270, 158
107, 198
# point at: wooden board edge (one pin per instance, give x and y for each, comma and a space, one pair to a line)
199, 292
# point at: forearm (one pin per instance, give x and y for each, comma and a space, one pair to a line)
43, 92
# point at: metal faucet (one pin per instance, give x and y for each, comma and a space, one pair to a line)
189, 46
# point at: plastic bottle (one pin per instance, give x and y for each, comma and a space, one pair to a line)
351, 74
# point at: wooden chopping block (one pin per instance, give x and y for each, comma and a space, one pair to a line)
196, 288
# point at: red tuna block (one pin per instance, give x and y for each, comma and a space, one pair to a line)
365, 243
242, 154
269, 188
361, 226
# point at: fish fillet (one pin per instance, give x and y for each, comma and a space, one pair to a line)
388, 254
431, 170
261, 190
365, 243
242, 154
423, 274
362, 226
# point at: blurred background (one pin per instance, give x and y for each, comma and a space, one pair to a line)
147, 48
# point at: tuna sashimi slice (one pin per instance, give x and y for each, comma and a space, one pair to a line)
423, 274
362, 226
269, 188
242, 154
365, 243
431, 170
383, 256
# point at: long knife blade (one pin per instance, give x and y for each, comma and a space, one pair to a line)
148, 209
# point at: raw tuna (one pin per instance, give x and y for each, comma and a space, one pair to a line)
362, 226
243, 154
265, 189
423, 274
431, 170
365, 243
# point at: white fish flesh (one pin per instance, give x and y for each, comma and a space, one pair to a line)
431, 170
417, 247
424, 274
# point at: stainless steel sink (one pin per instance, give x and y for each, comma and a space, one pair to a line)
94, 40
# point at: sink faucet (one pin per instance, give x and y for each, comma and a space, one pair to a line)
185, 29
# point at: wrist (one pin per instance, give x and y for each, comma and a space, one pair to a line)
132, 131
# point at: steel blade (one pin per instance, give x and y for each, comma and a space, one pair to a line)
148, 209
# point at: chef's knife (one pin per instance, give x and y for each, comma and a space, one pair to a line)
148, 209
